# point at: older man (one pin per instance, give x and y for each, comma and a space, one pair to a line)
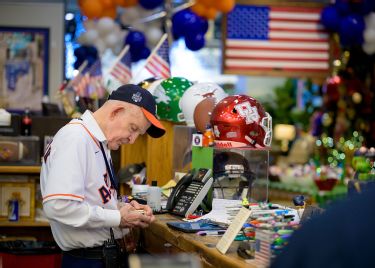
78, 183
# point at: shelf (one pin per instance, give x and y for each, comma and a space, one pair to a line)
20, 169
23, 223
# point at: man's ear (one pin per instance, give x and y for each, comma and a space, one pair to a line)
116, 110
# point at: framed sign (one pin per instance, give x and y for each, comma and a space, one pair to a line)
25, 194
24, 54
270, 38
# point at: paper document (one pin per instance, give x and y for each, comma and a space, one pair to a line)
223, 210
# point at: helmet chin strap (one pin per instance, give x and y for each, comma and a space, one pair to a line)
252, 142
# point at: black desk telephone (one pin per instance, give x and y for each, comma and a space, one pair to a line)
189, 192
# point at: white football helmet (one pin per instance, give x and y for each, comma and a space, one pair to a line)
195, 94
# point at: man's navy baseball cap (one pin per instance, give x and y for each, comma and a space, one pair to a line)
143, 98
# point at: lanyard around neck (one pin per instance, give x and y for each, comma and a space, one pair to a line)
110, 170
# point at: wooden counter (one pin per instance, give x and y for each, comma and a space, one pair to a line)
160, 239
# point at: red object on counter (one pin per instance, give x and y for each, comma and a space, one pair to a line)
326, 184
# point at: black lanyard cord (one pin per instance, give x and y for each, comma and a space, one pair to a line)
110, 171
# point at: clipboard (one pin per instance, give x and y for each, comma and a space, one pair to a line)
193, 227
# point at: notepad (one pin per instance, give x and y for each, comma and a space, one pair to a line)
233, 229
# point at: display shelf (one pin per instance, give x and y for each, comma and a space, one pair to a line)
23, 223
20, 169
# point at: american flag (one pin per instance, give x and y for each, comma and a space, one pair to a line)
158, 62
90, 81
121, 70
96, 87
281, 39
81, 81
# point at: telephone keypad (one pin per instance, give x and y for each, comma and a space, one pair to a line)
189, 195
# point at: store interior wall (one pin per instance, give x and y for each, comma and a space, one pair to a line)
43, 14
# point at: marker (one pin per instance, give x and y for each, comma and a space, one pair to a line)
211, 233
140, 211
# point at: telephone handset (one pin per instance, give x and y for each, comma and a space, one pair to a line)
189, 192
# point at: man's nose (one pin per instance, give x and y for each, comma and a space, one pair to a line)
132, 138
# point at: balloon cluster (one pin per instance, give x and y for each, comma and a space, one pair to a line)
103, 8
347, 18
102, 34
129, 18
208, 8
190, 26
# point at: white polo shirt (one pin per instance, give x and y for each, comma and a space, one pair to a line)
77, 195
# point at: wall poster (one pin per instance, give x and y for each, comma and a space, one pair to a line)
24, 54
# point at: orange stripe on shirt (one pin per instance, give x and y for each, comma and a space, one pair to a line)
88, 131
71, 195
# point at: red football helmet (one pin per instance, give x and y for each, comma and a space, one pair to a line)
240, 120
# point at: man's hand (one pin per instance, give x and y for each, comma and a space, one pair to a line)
147, 210
130, 217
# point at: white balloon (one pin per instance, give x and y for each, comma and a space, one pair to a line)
369, 48
139, 27
122, 35
105, 25
153, 35
111, 40
91, 36
82, 39
129, 16
370, 20
369, 35
117, 49
89, 24
100, 46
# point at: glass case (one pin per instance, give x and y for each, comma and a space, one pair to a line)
19, 150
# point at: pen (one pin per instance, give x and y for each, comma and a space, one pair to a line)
211, 233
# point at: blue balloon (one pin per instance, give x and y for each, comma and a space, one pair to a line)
145, 52
330, 18
92, 51
80, 53
363, 7
176, 33
343, 7
200, 27
195, 42
77, 64
135, 39
187, 22
351, 30
150, 4
139, 53
204, 25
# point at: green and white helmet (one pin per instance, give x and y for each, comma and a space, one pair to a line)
167, 96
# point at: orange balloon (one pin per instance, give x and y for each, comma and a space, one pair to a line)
92, 9
198, 9
207, 3
110, 12
210, 13
129, 3
107, 3
80, 2
119, 2
225, 5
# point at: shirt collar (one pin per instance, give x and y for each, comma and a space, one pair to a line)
93, 126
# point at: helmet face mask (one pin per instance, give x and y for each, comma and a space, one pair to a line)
240, 120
